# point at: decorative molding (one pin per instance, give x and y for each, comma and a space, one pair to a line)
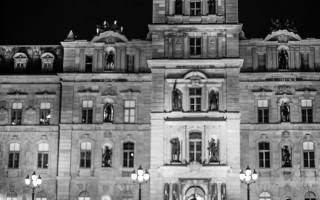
17, 94
45, 94
194, 167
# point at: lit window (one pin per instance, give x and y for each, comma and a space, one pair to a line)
306, 110
264, 155
14, 153
128, 154
84, 195
310, 196
45, 115
88, 64
263, 111
85, 155
12, 196
195, 147
195, 99
47, 60
43, 155
41, 196
265, 196
195, 8
87, 111
308, 155
16, 113
129, 111
195, 46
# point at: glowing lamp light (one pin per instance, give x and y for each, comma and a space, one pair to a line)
146, 176
241, 175
39, 180
134, 176
140, 171
248, 171
247, 178
254, 175
140, 178
34, 176
27, 180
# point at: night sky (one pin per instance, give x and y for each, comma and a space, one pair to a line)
48, 22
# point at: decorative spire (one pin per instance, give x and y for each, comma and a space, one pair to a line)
105, 27
70, 36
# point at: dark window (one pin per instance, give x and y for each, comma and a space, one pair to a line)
306, 110
195, 8
263, 111
12, 196
195, 148
310, 196
41, 196
178, 7
264, 155
195, 46
308, 155
87, 110
212, 6
85, 155
45, 115
43, 155
195, 99
16, 114
128, 154
14, 153
88, 64
130, 63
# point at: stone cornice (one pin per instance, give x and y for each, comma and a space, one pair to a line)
194, 27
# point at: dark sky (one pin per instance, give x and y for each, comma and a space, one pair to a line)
48, 22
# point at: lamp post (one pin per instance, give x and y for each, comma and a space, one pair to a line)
248, 177
36, 182
140, 177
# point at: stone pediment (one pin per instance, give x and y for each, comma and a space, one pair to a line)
282, 36
109, 37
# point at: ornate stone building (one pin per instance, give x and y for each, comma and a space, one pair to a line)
194, 103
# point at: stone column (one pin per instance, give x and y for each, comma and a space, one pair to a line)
204, 9
82, 60
101, 60
186, 47
291, 58
204, 99
204, 45
254, 59
186, 7
274, 59
269, 59
123, 60
171, 7
95, 61
311, 58
137, 61
170, 46
297, 58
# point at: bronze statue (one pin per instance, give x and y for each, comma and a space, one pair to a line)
286, 157
108, 113
106, 157
275, 25
176, 98
213, 151
175, 155
283, 59
213, 100
285, 112
110, 61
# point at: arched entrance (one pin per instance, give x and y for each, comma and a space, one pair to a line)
195, 193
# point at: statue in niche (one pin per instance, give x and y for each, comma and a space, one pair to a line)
178, 7
108, 113
176, 98
283, 59
285, 112
106, 157
175, 146
110, 61
286, 157
213, 100
213, 151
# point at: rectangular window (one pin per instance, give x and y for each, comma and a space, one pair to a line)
264, 155
45, 115
130, 63
88, 64
128, 154
263, 111
195, 8
16, 113
129, 111
14, 153
85, 155
308, 155
87, 111
306, 110
195, 99
195, 46
212, 6
43, 155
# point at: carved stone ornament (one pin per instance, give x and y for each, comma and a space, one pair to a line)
284, 89
194, 167
285, 134
109, 91
107, 134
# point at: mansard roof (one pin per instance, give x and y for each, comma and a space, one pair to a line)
283, 36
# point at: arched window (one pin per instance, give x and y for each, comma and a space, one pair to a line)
12, 195
84, 195
41, 196
128, 154
310, 196
107, 156
43, 155
127, 195
264, 154
308, 154
108, 113
195, 147
85, 154
20, 62
47, 60
265, 196
14, 154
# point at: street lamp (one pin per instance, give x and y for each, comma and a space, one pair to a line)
36, 182
248, 177
140, 177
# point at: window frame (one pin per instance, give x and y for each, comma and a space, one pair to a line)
269, 197
86, 116
310, 198
264, 152
15, 161
195, 8
42, 153
17, 112
130, 109
195, 97
13, 195
308, 151
195, 46
45, 112
196, 143
126, 155
308, 111
42, 196
88, 66
85, 155
84, 197
263, 112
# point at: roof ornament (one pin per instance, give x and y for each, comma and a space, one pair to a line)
287, 25
105, 27
70, 36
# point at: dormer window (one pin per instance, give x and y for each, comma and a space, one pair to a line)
195, 8
20, 62
47, 60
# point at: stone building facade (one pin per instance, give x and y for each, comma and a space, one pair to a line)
194, 104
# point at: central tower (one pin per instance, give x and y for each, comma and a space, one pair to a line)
195, 114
